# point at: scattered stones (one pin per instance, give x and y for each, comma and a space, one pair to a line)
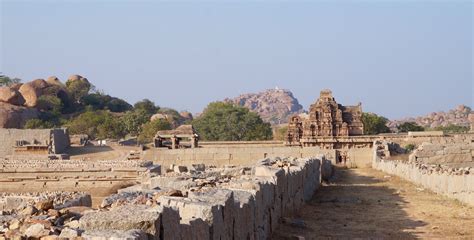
36, 231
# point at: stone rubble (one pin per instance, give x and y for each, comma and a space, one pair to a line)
199, 203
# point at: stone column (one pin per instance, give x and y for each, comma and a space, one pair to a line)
174, 141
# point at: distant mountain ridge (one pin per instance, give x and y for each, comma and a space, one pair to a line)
273, 105
458, 116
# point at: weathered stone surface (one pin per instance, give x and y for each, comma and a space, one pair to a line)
134, 234
273, 105
36, 231
69, 233
124, 218
30, 94
53, 80
11, 96
44, 205
77, 78
12, 116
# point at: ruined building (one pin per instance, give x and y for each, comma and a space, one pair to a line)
33, 141
326, 118
173, 139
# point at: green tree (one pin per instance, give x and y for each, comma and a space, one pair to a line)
410, 127
97, 124
149, 130
374, 124
227, 122
7, 81
50, 103
100, 101
132, 121
147, 106
78, 89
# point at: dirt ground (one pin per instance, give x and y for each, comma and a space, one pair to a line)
366, 203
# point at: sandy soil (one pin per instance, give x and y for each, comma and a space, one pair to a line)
366, 203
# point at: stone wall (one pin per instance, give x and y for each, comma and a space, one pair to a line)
246, 207
60, 140
429, 153
8, 138
456, 183
220, 156
56, 139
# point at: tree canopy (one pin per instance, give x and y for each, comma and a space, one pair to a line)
227, 122
97, 124
410, 127
374, 124
7, 81
149, 129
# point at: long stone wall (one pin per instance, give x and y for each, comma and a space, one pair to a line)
456, 183
246, 207
245, 154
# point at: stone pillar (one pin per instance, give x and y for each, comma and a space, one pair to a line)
174, 142
194, 142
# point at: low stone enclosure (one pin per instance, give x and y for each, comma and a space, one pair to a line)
33, 141
98, 177
199, 203
446, 169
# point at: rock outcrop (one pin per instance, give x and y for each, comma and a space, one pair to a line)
458, 116
31, 91
11, 96
273, 105
12, 116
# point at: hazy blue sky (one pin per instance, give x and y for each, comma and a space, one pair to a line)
399, 58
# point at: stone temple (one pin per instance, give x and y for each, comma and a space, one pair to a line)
326, 118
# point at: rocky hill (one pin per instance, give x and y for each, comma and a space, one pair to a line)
457, 116
273, 105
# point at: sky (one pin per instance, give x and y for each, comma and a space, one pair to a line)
399, 58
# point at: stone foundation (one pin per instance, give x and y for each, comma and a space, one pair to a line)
245, 207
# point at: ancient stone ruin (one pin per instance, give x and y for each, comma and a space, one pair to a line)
173, 139
326, 118
33, 141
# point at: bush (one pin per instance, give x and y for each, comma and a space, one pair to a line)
410, 147
451, 128
149, 130
227, 122
38, 124
97, 124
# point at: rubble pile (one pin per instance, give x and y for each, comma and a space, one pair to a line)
193, 203
34, 215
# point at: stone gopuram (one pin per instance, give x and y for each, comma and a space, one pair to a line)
326, 118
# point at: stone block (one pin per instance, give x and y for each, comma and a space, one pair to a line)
125, 218
134, 234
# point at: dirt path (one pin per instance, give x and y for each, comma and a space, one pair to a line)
366, 203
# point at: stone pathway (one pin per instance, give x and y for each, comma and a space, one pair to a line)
366, 203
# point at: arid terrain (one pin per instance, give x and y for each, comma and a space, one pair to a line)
366, 203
